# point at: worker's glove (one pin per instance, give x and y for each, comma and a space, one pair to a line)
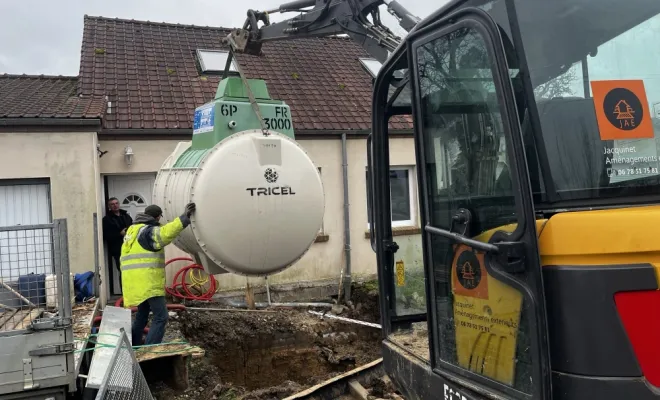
190, 209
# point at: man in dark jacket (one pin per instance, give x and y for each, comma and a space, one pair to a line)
115, 224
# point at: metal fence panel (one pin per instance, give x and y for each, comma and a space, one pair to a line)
35, 307
35, 282
124, 379
27, 274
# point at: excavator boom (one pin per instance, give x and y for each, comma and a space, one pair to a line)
319, 18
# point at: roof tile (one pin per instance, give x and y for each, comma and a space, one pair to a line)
149, 71
31, 96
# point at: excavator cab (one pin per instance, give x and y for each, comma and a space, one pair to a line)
536, 137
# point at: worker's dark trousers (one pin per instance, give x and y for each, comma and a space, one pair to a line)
157, 305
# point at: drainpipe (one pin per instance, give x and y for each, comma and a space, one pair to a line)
347, 228
97, 262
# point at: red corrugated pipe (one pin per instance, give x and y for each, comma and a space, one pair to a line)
120, 303
180, 281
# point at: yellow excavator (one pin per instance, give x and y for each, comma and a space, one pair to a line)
538, 184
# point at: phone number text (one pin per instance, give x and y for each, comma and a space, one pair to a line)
632, 171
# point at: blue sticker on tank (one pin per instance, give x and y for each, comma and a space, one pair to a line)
204, 116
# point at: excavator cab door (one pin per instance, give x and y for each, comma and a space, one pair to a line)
486, 313
487, 309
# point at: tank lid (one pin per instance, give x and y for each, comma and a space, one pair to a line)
233, 87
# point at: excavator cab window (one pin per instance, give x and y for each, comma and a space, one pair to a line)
407, 302
597, 100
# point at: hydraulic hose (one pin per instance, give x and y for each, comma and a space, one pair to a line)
173, 307
180, 281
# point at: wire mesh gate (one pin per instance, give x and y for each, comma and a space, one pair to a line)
34, 274
36, 292
124, 379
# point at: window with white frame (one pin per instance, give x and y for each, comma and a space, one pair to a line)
401, 196
214, 61
29, 250
371, 65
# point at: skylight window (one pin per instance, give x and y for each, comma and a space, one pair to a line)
372, 65
214, 61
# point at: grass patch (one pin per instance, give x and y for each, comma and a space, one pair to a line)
371, 286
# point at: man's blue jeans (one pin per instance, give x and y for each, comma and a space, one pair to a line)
158, 305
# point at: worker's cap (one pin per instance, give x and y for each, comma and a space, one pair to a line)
153, 210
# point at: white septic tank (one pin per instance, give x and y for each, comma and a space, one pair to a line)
259, 202
259, 197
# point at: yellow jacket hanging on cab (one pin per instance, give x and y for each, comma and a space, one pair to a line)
142, 259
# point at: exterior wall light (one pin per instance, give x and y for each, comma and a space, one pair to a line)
128, 155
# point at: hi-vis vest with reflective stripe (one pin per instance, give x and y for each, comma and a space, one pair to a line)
143, 271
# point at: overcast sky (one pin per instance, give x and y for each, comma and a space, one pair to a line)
44, 36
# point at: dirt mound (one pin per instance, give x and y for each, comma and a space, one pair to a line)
364, 297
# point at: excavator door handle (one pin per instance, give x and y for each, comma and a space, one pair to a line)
460, 221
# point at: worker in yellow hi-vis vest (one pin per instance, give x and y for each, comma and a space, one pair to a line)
143, 269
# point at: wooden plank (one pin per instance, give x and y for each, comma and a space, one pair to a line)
357, 390
83, 318
31, 316
7, 307
20, 296
168, 350
6, 316
338, 385
114, 318
249, 296
15, 320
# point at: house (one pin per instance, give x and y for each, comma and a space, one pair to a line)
48, 160
138, 86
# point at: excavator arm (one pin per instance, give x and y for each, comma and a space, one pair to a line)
319, 18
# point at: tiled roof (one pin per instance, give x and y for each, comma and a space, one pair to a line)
149, 71
26, 96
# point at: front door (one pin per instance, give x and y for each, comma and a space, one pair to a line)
487, 321
134, 195
132, 191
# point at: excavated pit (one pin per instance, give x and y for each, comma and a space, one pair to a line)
271, 355
260, 350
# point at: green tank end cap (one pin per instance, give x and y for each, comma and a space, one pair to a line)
231, 112
233, 87
191, 158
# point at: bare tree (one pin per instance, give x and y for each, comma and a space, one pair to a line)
455, 71
561, 86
